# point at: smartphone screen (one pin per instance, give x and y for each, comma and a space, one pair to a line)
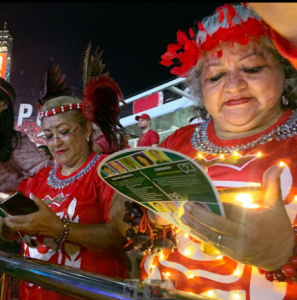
18, 204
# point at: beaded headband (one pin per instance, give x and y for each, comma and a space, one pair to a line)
58, 110
187, 52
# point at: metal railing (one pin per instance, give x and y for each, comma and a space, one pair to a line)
65, 280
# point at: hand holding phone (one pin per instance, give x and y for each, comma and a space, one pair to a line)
17, 204
20, 204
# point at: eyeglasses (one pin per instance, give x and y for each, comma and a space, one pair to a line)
64, 135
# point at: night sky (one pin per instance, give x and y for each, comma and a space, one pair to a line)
133, 35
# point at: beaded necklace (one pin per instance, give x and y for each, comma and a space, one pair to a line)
56, 183
201, 142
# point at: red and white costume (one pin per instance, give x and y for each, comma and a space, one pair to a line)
208, 272
86, 200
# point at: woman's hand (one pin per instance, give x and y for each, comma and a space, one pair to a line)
44, 222
260, 237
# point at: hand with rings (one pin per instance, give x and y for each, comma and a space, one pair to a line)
261, 237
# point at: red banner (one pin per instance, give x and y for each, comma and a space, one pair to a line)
148, 102
3, 57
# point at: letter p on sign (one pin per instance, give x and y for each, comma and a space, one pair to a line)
24, 112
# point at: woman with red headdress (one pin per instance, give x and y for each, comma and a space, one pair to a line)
75, 224
240, 73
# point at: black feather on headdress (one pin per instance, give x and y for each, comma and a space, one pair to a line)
93, 65
54, 85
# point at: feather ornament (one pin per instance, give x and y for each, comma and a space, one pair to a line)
101, 105
93, 65
54, 85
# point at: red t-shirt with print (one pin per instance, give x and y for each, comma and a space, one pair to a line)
148, 139
198, 272
85, 200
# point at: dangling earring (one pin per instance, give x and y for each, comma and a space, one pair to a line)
88, 139
208, 116
285, 100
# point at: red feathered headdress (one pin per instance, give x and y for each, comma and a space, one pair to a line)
101, 105
188, 50
102, 97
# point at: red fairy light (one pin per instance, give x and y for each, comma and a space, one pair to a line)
185, 54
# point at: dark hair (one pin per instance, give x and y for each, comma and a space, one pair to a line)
153, 150
7, 132
46, 150
141, 163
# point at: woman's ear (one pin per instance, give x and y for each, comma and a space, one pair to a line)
89, 130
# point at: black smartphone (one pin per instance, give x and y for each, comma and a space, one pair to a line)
18, 204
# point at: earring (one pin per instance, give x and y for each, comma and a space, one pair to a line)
285, 100
88, 139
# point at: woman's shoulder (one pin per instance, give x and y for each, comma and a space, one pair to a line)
44, 172
180, 136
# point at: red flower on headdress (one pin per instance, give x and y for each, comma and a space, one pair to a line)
185, 54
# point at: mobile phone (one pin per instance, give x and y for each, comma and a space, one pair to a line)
18, 204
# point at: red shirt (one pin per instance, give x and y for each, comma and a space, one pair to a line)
148, 138
85, 200
208, 272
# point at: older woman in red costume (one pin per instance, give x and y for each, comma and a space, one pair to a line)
240, 72
74, 225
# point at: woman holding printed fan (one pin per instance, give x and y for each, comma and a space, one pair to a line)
240, 71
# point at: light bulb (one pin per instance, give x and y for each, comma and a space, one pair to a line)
162, 256
235, 153
168, 274
186, 235
219, 257
191, 276
259, 154
236, 273
187, 252
210, 293
200, 155
244, 198
295, 198
222, 156
281, 164
236, 296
